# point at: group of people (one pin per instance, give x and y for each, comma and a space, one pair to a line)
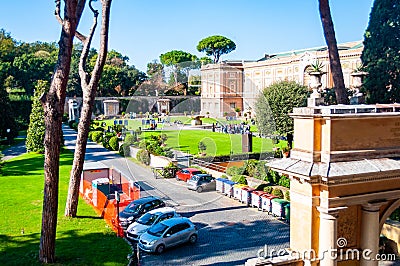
241, 128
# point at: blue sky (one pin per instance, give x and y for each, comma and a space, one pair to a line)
142, 30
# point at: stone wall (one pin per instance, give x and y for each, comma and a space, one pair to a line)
137, 104
155, 161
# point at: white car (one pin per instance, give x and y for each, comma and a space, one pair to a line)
155, 216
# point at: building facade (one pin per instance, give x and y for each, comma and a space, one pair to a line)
237, 84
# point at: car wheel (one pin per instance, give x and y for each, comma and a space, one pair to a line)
199, 189
177, 178
160, 249
193, 239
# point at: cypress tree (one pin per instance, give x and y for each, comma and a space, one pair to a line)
36, 130
381, 55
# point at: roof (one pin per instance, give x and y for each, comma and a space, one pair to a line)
334, 170
144, 200
174, 221
94, 166
162, 210
343, 46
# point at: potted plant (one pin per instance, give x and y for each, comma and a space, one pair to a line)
358, 75
286, 152
237, 110
202, 148
316, 73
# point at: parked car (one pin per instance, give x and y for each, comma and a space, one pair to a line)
137, 208
201, 182
168, 233
186, 173
139, 227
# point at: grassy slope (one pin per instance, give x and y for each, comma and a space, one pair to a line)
86, 240
217, 143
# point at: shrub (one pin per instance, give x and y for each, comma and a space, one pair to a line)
261, 187
234, 170
287, 195
224, 177
106, 140
90, 135
274, 105
278, 193
124, 150
240, 179
97, 136
250, 167
143, 156
284, 181
273, 177
113, 143
65, 118
163, 137
35, 134
268, 190
70, 124
170, 170
202, 147
130, 139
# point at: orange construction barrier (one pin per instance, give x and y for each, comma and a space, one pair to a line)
103, 199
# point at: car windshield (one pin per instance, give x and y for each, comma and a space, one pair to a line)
132, 208
148, 218
196, 172
157, 229
194, 178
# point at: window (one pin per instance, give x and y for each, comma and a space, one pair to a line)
232, 105
166, 216
232, 87
147, 207
172, 230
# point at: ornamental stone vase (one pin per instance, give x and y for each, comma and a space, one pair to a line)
315, 98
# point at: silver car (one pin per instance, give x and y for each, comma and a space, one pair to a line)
201, 182
139, 227
168, 233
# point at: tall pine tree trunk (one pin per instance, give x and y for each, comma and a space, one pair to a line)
53, 104
334, 60
89, 92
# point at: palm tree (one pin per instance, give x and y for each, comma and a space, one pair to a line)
336, 68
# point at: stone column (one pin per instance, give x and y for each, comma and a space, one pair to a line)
370, 233
328, 236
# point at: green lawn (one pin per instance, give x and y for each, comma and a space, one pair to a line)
86, 240
187, 140
217, 143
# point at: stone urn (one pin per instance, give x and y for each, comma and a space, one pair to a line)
315, 84
358, 80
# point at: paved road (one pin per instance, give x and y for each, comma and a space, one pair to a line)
229, 234
14, 151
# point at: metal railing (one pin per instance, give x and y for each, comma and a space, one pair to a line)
208, 165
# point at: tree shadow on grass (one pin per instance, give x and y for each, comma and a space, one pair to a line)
72, 248
23, 165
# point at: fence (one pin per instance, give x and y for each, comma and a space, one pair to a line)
100, 193
208, 165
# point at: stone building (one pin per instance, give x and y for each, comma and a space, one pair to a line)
237, 84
